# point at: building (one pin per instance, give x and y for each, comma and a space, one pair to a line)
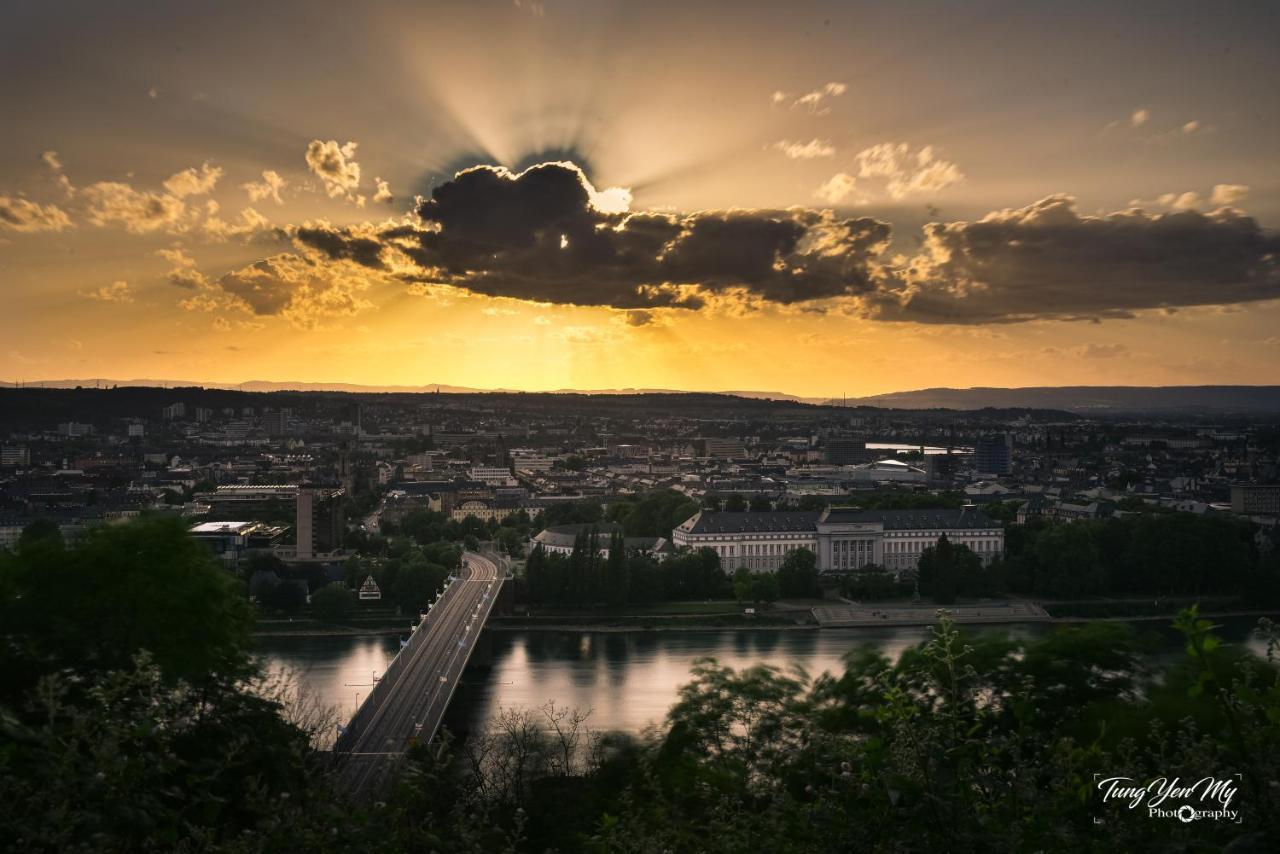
278, 422
74, 430
842, 538
841, 451
484, 507
230, 541
1255, 499
991, 454
250, 501
15, 455
492, 475
317, 511
320, 521
729, 449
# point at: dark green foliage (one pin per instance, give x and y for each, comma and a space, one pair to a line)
798, 574
1164, 554
585, 577
653, 514
947, 571
126, 588
333, 602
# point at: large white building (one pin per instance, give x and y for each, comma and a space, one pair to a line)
842, 538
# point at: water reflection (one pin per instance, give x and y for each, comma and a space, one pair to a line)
628, 679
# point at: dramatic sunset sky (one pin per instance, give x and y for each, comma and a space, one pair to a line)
817, 198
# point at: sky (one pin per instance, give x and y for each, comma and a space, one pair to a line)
818, 198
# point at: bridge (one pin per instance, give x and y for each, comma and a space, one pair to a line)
408, 703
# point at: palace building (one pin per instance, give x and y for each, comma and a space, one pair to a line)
843, 538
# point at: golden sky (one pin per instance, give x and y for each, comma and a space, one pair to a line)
815, 198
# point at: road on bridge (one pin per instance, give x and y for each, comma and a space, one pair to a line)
412, 707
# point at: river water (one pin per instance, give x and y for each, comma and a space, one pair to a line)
627, 679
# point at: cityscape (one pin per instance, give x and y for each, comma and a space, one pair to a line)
549, 426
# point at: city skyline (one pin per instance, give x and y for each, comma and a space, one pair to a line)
824, 199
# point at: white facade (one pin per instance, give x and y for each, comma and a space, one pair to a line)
842, 539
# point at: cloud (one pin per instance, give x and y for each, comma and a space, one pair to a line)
247, 224
837, 188
1089, 351
140, 212
334, 165
538, 236
907, 172
810, 150
299, 289
54, 162
1181, 201
268, 188
28, 217
190, 182
813, 101
1047, 261
183, 271
1139, 117
118, 291
1191, 126
1228, 194
639, 317
384, 191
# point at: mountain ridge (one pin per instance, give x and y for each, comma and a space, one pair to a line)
1078, 399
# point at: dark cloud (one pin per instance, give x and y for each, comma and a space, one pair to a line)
365, 251
1048, 261
542, 235
539, 235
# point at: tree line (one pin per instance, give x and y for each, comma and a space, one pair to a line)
588, 577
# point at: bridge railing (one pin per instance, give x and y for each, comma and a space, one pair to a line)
348, 735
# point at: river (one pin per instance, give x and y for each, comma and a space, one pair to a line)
627, 679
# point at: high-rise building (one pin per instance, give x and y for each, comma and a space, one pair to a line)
320, 520
278, 422
843, 451
991, 454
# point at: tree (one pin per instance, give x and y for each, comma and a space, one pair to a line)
143, 585
43, 532
798, 574
287, 596
764, 587
760, 503
416, 583
938, 572
735, 504
743, 584
333, 602
617, 580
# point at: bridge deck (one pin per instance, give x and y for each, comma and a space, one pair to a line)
410, 700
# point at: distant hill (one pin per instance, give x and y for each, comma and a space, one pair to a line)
357, 388
1089, 399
